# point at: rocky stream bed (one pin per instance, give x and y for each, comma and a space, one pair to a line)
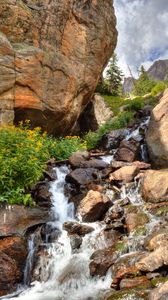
99, 231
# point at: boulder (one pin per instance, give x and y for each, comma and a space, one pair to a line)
13, 253
125, 174
52, 55
112, 140
17, 219
93, 206
41, 194
154, 260
157, 240
155, 186
82, 176
160, 293
77, 228
128, 151
129, 283
80, 159
134, 221
156, 136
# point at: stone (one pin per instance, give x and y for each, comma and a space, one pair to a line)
76, 242
102, 260
135, 220
129, 283
156, 136
155, 186
13, 253
112, 140
77, 228
81, 159
17, 219
159, 239
41, 194
154, 260
128, 151
125, 174
95, 114
82, 176
93, 206
52, 55
160, 293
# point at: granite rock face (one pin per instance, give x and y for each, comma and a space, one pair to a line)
51, 56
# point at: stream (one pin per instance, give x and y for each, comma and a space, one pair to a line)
64, 274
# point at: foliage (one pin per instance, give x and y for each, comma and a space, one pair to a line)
158, 88
114, 76
93, 138
23, 156
143, 84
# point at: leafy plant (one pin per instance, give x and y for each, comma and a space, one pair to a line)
158, 88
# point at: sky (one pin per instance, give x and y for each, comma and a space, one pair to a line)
143, 33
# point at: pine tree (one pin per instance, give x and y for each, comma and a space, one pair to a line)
114, 76
143, 84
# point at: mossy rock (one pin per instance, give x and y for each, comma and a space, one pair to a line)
155, 282
129, 295
140, 231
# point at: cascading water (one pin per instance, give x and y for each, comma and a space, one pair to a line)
65, 275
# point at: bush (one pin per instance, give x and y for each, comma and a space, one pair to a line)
23, 156
93, 138
158, 88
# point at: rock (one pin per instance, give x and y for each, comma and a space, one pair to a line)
125, 267
41, 194
153, 261
156, 136
159, 239
95, 114
75, 241
139, 164
128, 85
125, 174
17, 219
112, 140
102, 260
115, 212
13, 253
81, 160
82, 176
52, 56
77, 228
135, 220
93, 206
130, 283
160, 293
155, 186
128, 151
128, 294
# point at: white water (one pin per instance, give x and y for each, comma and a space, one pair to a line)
65, 275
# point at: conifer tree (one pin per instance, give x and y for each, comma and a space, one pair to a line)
143, 84
114, 76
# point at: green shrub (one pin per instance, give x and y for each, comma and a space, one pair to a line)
93, 138
158, 88
23, 156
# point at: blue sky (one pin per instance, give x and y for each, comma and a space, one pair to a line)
143, 32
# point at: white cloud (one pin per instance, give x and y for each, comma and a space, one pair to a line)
143, 32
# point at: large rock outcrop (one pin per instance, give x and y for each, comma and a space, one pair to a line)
52, 53
157, 134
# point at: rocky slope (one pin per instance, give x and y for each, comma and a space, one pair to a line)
159, 70
51, 56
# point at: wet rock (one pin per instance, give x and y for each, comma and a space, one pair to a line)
13, 253
112, 140
93, 206
82, 176
156, 136
155, 186
81, 159
17, 219
125, 267
115, 212
129, 283
160, 293
139, 164
41, 194
128, 294
135, 220
75, 241
125, 174
128, 151
153, 261
102, 260
77, 228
